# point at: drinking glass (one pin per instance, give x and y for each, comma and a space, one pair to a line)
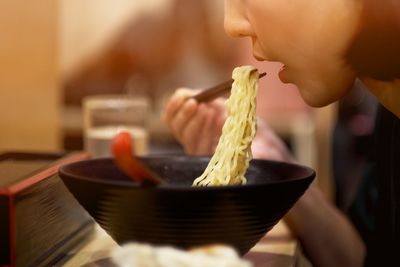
104, 116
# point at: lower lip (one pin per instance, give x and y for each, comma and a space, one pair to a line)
283, 75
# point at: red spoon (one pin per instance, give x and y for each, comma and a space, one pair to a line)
121, 147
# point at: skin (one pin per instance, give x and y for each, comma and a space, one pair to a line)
326, 235
196, 126
199, 126
311, 38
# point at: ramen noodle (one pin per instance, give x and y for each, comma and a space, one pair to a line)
232, 155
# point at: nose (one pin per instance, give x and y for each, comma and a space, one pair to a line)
236, 23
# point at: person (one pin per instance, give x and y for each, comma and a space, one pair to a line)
325, 46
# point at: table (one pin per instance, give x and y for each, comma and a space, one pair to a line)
277, 249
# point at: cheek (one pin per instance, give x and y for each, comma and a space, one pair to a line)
272, 28
322, 77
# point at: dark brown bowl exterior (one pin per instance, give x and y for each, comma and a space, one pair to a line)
180, 215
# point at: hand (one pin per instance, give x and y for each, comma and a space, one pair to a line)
196, 126
267, 145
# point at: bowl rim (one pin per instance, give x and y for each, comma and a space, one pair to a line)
65, 174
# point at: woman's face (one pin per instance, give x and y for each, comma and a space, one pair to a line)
309, 37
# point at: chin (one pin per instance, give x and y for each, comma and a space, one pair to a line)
318, 103
322, 92
317, 97
313, 102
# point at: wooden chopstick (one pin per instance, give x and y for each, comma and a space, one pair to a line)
216, 91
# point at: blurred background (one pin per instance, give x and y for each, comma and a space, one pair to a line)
54, 53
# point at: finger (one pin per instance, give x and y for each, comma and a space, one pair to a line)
208, 134
179, 123
192, 133
219, 104
220, 109
220, 121
174, 104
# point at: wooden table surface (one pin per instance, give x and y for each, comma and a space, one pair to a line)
277, 249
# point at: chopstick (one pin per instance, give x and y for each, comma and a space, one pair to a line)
216, 91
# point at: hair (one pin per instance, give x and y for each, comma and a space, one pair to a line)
375, 51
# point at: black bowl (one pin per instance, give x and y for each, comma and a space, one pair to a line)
180, 215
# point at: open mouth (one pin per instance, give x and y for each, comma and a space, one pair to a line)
283, 74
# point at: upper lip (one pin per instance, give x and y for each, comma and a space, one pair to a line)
258, 57
263, 58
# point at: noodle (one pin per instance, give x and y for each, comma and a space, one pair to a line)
231, 159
